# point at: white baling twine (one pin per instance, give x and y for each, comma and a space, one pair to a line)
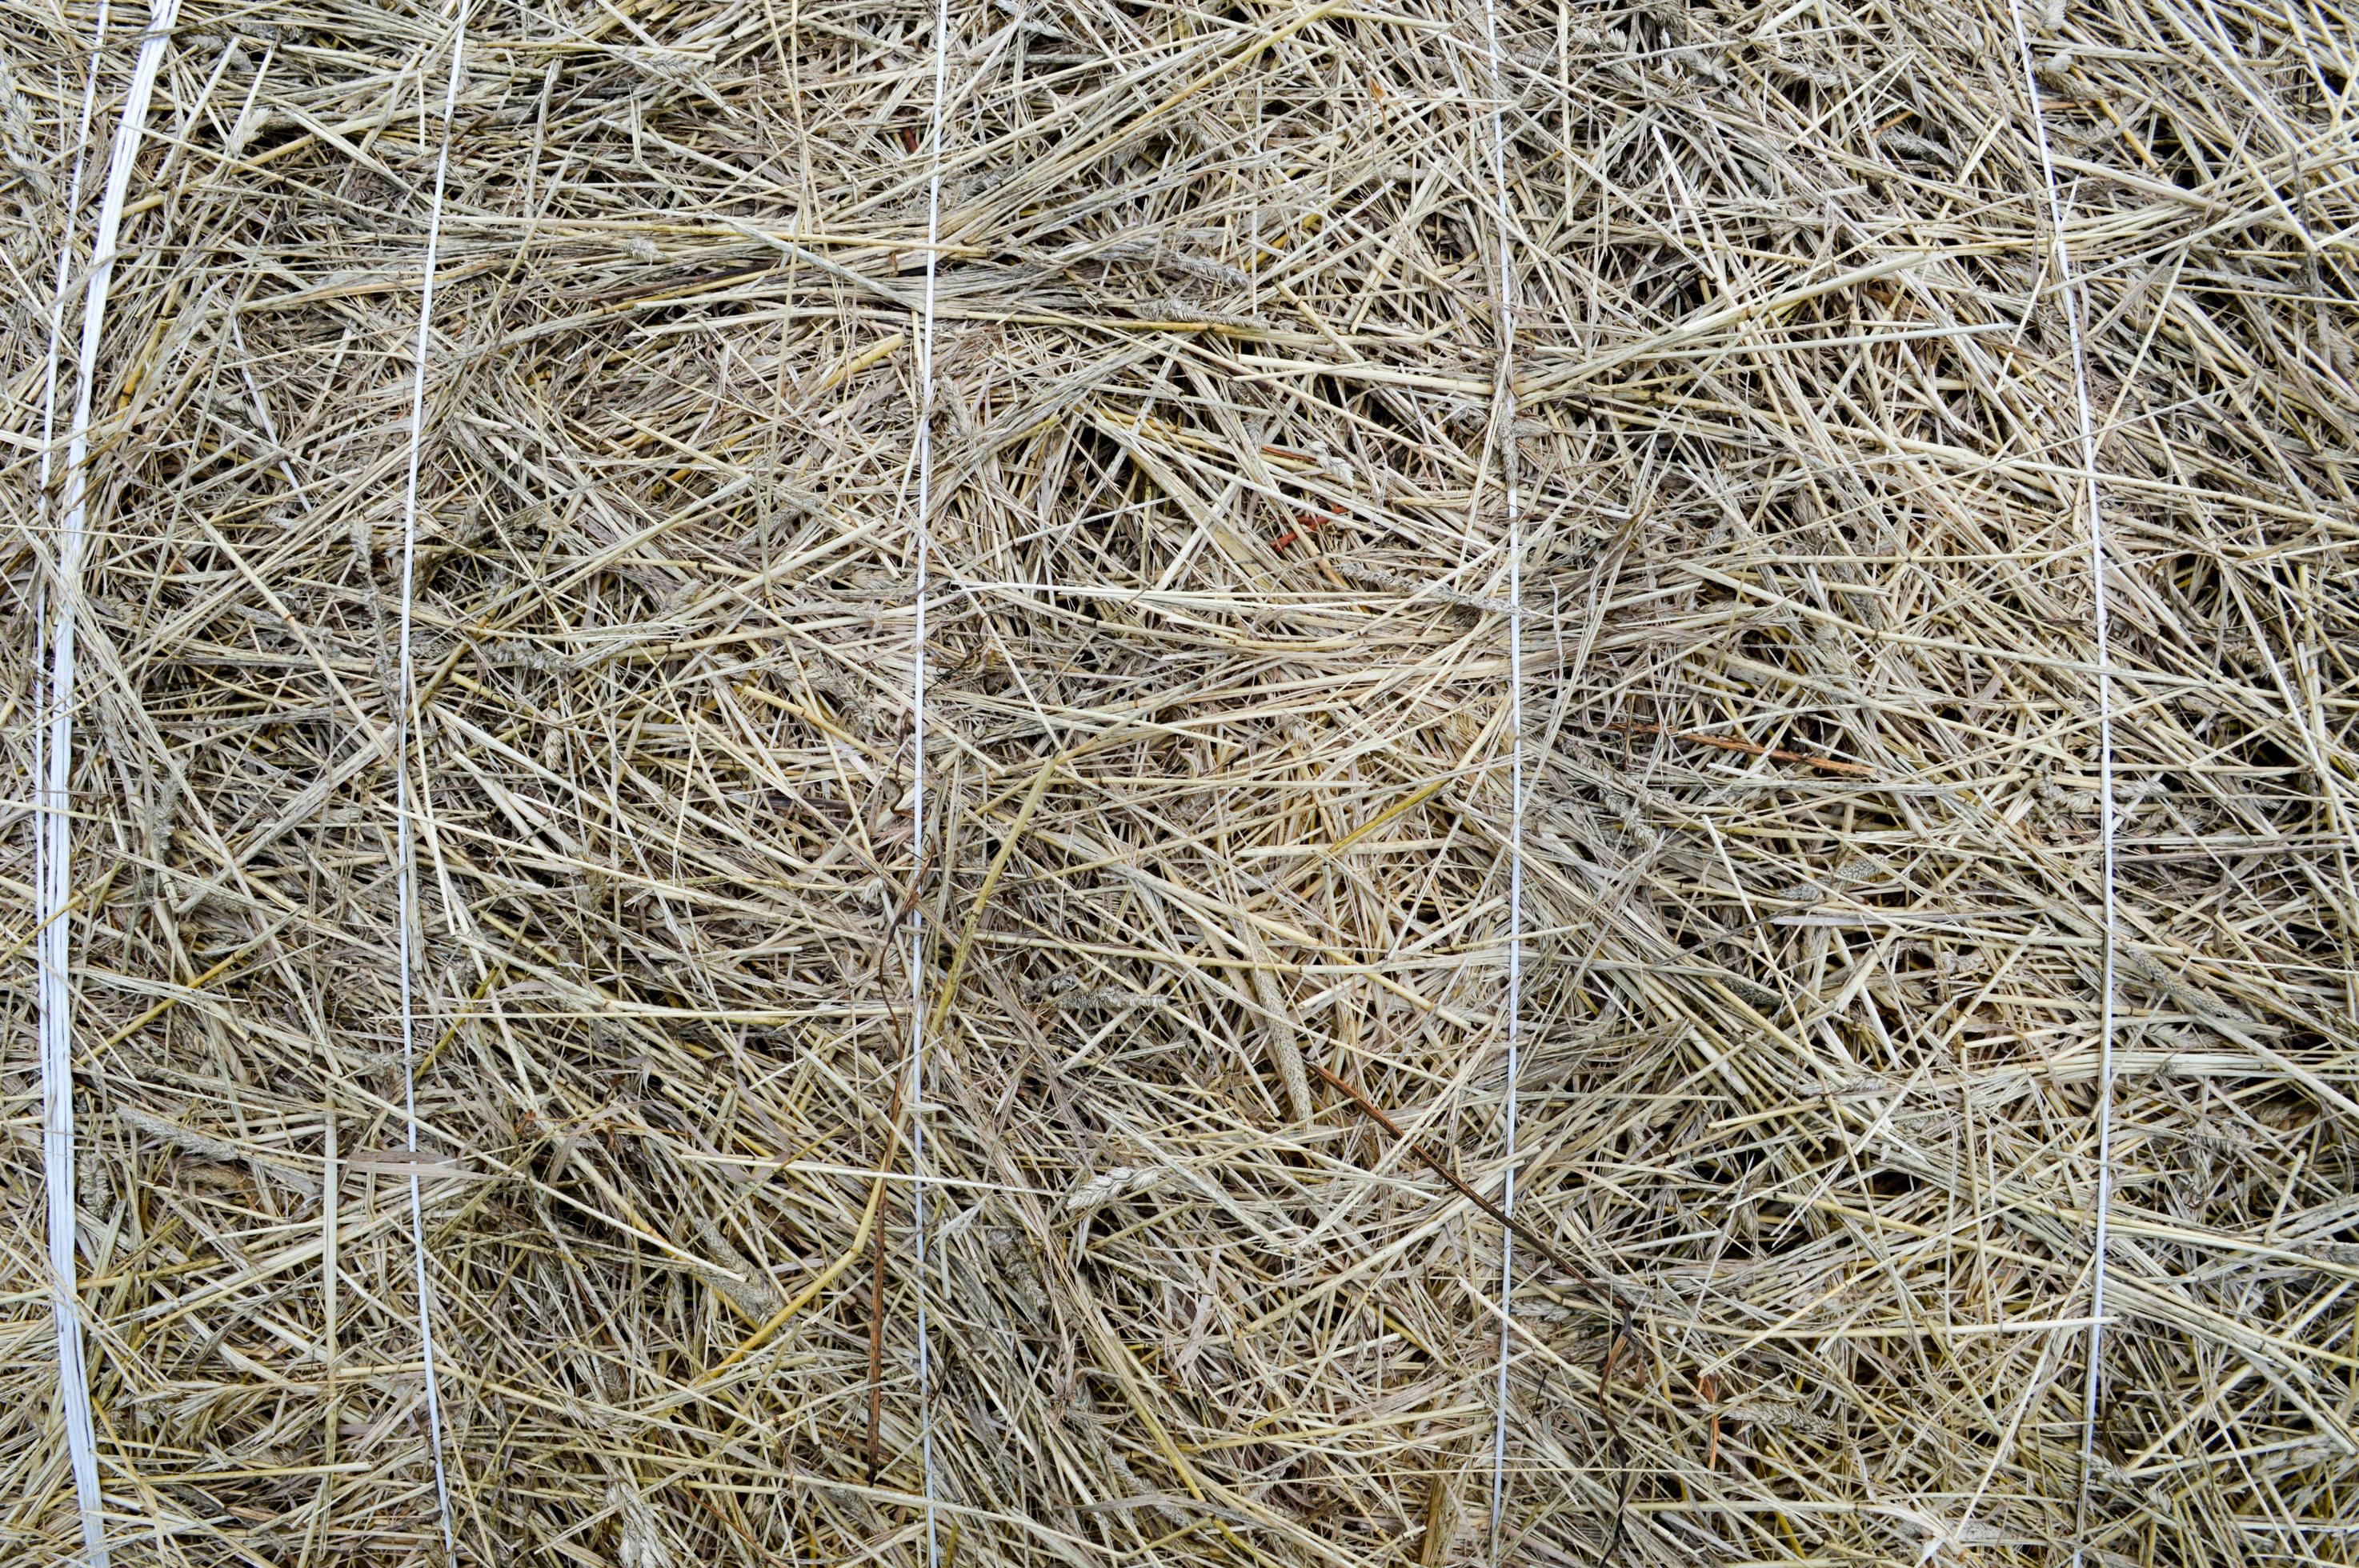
1506, 304
918, 1010
53, 874
2068, 287
405, 851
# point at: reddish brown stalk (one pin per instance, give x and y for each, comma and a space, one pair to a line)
1433, 1163
689, 285
1709, 1386
884, 1168
876, 1291
1751, 748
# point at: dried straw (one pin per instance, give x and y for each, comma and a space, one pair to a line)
1218, 812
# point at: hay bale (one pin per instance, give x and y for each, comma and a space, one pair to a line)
1219, 799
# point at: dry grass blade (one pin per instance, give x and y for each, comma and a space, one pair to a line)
1218, 784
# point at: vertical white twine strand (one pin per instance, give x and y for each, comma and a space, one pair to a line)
54, 869
405, 850
56, 355
2067, 286
1506, 395
919, 1011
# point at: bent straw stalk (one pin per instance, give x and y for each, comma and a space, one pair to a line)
1213, 681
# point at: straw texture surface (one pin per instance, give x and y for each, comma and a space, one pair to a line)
1211, 885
